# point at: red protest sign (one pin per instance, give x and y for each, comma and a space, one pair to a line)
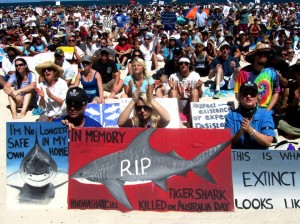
150, 169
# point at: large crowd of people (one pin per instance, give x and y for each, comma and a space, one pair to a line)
106, 40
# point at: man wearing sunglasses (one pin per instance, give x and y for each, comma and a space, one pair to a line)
251, 126
76, 101
265, 77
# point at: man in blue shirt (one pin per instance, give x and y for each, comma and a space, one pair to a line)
120, 20
225, 69
76, 101
251, 126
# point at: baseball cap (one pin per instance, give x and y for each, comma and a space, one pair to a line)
248, 86
76, 94
59, 52
86, 58
224, 43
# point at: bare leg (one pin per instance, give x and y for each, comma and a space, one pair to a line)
26, 101
13, 107
120, 85
195, 95
154, 60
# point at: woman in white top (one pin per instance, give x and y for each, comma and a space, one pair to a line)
53, 91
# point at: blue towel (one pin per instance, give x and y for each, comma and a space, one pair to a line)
224, 93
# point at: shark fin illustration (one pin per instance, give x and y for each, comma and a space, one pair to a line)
162, 184
175, 155
142, 139
203, 172
116, 188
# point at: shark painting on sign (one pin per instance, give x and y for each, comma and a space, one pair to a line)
116, 169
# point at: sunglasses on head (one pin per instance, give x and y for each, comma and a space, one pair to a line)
251, 93
19, 65
145, 108
47, 69
75, 105
183, 63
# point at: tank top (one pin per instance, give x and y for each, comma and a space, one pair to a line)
91, 88
200, 62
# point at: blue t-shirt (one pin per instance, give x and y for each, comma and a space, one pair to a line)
88, 122
120, 19
262, 122
146, 82
227, 69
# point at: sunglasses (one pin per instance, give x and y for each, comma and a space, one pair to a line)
19, 65
75, 105
198, 46
288, 42
103, 43
147, 38
260, 54
265, 42
86, 63
72, 40
183, 63
136, 55
251, 93
47, 69
55, 40
145, 108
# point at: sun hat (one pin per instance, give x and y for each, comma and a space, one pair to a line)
49, 64
16, 50
260, 47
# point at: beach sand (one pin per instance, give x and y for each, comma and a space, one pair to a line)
45, 215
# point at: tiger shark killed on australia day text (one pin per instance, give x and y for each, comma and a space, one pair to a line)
140, 162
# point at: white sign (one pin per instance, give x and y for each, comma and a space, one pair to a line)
108, 22
266, 179
210, 114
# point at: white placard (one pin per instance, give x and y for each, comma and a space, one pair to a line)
210, 114
266, 179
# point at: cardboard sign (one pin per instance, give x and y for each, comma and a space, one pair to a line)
210, 114
106, 114
168, 18
69, 52
37, 164
266, 179
108, 22
150, 169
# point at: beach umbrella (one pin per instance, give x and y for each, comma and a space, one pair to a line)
180, 20
191, 13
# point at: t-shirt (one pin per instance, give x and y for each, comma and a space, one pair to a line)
187, 84
106, 70
59, 90
13, 80
267, 82
120, 19
123, 48
227, 68
146, 82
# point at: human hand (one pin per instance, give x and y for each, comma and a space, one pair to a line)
136, 94
232, 64
149, 94
198, 84
171, 83
40, 92
69, 124
245, 126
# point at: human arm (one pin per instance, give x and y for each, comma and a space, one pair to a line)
56, 99
273, 101
160, 110
77, 80
124, 120
100, 87
117, 79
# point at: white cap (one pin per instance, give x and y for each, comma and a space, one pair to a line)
224, 43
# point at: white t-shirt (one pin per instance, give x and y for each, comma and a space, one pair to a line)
187, 84
59, 90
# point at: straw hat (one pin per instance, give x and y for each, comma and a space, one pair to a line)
49, 64
260, 47
16, 50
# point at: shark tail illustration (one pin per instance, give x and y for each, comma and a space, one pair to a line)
205, 158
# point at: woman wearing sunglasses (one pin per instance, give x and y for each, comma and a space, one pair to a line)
90, 80
138, 79
147, 113
52, 91
251, 126
20, 88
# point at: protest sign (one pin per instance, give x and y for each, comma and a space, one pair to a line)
168, 18
266, 180
37, 164
150, 169
210, 114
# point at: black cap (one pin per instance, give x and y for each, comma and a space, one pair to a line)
248, 85
76, 94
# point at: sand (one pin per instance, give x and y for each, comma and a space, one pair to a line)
45, 215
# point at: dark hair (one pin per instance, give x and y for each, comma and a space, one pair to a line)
139, 51
18, 75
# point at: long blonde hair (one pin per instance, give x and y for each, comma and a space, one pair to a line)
143, 64
154, 117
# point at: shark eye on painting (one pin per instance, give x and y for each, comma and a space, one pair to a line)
80, 174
